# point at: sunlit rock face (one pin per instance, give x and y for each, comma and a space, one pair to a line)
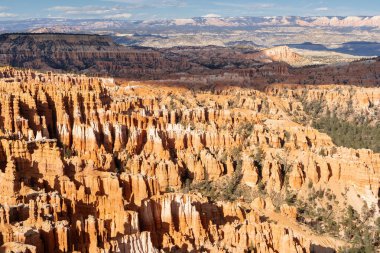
91, 165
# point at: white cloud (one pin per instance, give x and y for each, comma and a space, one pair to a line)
7, 15
322, 9
119, 16
91, 11
85, 10
246, 5
211, 15
109, 9
262, 6
151, 4
125, 1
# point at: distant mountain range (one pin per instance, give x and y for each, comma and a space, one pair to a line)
70, 25
354, 35
351, 21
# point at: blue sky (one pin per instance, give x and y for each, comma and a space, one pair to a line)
157, 9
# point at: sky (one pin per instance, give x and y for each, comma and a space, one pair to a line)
169, 9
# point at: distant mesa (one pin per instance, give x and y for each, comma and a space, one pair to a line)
281, 54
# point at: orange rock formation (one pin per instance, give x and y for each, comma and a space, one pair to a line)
91, 166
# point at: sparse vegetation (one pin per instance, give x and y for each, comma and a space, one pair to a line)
68, 152
230, 193
258, 158
319, 218
314, 107
286, 167
287, 135
358, 229
364, 237
347, 134
230, 189
356, 133
264, 107
245, 129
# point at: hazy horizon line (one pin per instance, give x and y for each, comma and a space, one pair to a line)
221, 16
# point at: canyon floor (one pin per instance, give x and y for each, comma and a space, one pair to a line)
91, 164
